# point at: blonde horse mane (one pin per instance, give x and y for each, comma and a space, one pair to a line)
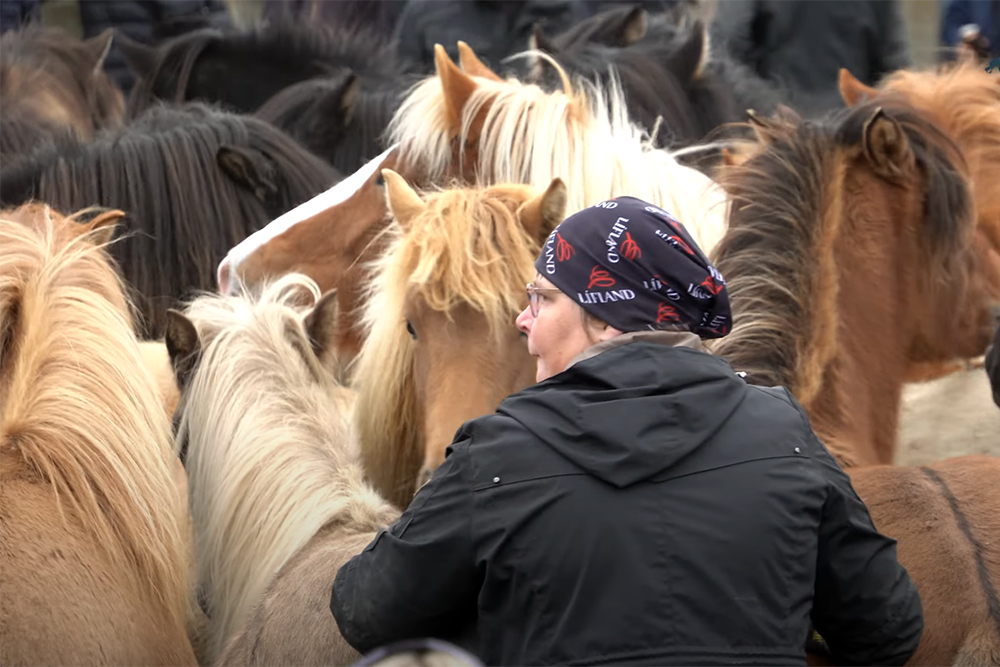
271, 456
581, 135
78, 406
466, 246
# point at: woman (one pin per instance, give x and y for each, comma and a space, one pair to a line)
641, 504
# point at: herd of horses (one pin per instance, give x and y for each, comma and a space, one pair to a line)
180, 484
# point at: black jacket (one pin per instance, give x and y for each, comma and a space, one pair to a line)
645, 506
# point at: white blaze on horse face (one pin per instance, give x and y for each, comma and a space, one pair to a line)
338, 194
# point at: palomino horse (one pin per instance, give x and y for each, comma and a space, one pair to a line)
277, 494
451, 280
50, 81
858, 233
94, 549
474, 126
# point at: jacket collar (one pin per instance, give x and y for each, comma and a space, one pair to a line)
668, 338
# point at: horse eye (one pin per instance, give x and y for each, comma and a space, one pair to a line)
410, 330
380, 181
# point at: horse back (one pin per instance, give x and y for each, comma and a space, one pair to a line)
292, 624
64, 602
944, 516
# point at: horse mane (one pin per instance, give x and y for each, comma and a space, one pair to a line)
778, 253
41, 58
261, 414
581, 134
467, 246
319, 49
183, 211
79, 408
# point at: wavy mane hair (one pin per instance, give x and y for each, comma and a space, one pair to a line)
778, 254
79, 408
466, 246
581, 134
271, 457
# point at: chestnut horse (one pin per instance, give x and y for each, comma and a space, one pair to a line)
472, 126
94, 542
277, 494
50, 81
452, 279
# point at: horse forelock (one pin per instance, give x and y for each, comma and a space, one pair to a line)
581, 134
271, 452
81, 409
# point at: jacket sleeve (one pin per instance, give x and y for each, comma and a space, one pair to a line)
418, 578
866, 607
891, 49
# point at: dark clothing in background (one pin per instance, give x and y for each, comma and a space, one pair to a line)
802, 44
993, 367
984, 13
377, 16
646, 507
149, 22
15, 13
494, 29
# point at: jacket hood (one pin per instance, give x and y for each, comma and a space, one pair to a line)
631, 412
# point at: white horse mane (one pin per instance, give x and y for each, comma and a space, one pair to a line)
271, 455
583, 136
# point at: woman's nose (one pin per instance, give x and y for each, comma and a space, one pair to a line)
524, 320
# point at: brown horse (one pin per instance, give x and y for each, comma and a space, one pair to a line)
469, 125
964, 101
443, 301
277, 495
94, 553
858, 234
49, 81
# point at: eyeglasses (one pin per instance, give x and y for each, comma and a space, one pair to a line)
533, 294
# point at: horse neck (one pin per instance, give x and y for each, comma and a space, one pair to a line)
262, 486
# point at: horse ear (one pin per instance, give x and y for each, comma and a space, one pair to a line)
472, 65
539, 42
852, 90
688, 61
340, 102
887, 147
103, 226
404, 203
97, 49
634, 26
456, 84
321, 323
763, 128
541, 214
250, 169
141, 59
183, 346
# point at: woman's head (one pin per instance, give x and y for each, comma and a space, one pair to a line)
622, 265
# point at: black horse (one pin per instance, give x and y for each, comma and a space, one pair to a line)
193, 181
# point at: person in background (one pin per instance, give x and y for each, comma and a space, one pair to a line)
973, 25
801, 44
15, 13
641, 504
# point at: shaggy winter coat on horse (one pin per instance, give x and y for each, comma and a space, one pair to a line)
606, 503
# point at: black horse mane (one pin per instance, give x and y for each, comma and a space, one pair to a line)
193, 181
304, 51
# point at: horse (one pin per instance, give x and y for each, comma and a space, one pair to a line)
278, 499
340, 118
241, 70
50, 82
94, 546
671, 80
452, 278
473, 127
839, 228
193, 182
